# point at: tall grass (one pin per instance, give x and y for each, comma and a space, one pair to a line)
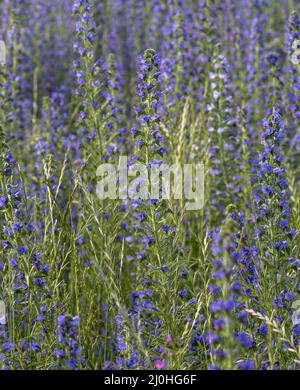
145, 284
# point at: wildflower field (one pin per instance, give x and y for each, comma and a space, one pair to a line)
90, 282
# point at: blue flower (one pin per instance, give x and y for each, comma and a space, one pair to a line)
247, 365
245, 340
283, 223
183, 293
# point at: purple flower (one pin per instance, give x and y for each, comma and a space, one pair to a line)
183, 293
245, 340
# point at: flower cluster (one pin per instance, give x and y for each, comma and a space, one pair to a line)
143, 282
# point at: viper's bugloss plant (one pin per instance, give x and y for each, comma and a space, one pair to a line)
140, 281
276, 234
224, 137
